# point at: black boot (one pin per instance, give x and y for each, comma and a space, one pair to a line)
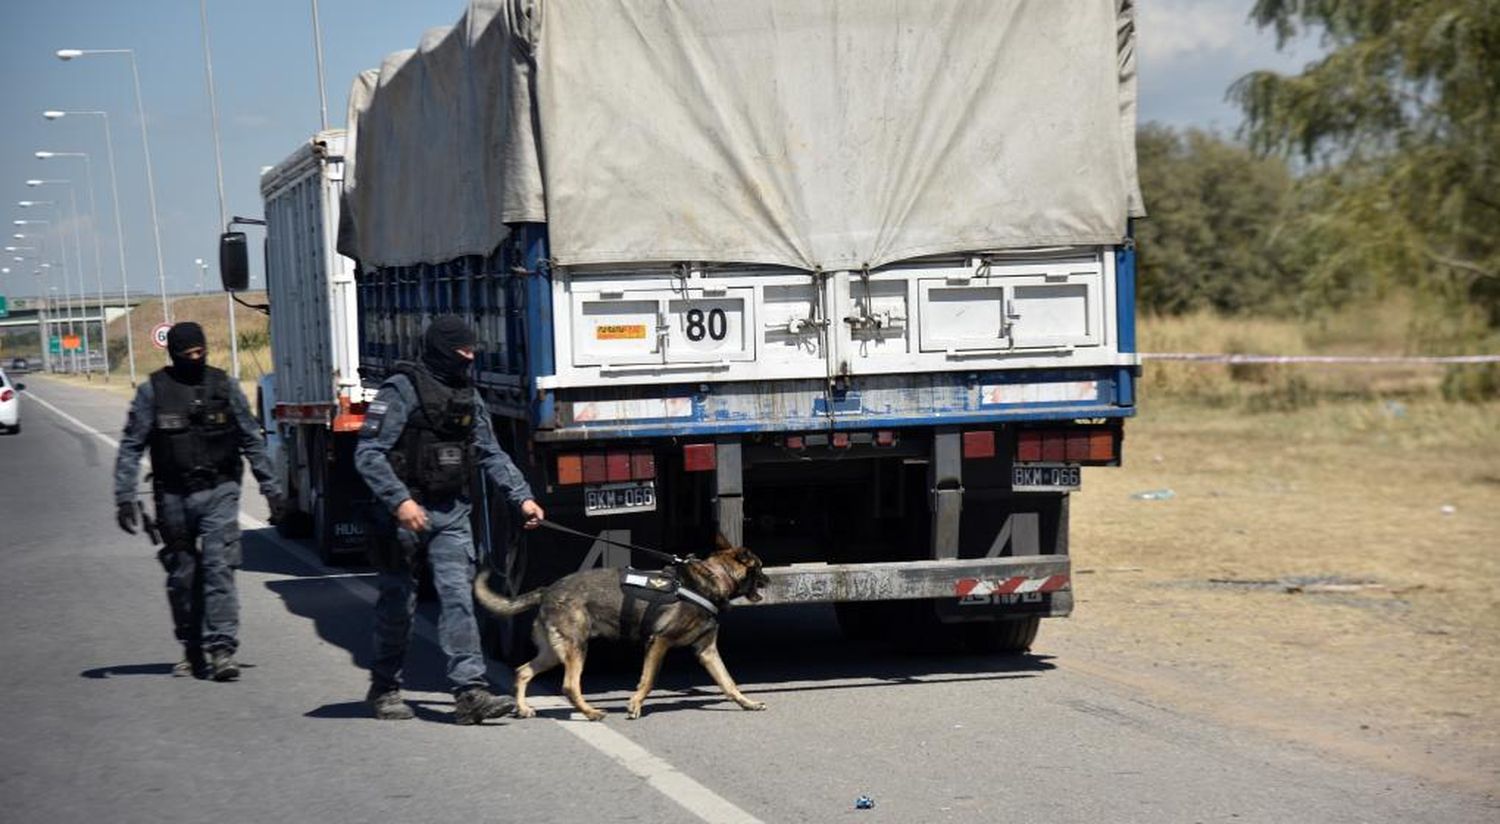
222, 665
387, 704
477, 703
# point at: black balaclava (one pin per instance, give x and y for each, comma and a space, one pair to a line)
447, 334
180, 338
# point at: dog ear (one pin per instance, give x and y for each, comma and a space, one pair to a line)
721, 543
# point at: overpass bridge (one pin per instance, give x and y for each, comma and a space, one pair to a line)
41, 312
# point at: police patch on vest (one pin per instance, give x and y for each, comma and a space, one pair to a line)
171, 420
374, 418
448, 455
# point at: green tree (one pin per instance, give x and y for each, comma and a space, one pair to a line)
1400, 121
1212, 239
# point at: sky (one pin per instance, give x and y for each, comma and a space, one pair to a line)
265, 78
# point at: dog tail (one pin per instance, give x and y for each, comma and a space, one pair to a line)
499, 604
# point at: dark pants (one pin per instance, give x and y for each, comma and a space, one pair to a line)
447, 547
201, 531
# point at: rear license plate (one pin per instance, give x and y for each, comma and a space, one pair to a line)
1045, 477
611, 499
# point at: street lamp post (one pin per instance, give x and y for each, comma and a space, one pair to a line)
88, 169
213, 110
78, 259
114, 188
62, 258
140, 108
47, 315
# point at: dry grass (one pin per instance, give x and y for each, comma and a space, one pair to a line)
1392, 327
209, 312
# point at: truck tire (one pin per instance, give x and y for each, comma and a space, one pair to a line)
861, 620
322, 531
509, 638
1007, 636
294, 522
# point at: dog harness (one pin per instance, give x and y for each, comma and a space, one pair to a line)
657, 589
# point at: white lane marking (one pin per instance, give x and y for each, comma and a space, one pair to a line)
30, 395
660, 775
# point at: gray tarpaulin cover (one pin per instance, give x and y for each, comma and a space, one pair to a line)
808, 133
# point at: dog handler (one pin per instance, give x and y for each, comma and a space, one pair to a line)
421, 437
197, 424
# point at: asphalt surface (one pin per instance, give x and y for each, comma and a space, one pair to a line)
96, 729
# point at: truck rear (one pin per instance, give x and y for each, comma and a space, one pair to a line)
853, 289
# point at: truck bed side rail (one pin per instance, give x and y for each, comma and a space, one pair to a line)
897, 580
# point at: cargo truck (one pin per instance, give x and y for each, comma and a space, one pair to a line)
310, 401
849, 283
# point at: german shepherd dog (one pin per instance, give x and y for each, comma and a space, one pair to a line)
590, 604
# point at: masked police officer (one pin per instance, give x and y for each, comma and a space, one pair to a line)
196, 422
423, 435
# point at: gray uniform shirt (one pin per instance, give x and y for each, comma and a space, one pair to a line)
137, 438
386, 419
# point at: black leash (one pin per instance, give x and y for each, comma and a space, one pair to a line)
675, 559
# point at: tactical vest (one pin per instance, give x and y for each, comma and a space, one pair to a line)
433, 456
194, 436
644, 594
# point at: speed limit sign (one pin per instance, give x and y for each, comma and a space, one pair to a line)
159, 334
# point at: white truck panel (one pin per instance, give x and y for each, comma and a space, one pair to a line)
314, 332
1006, 312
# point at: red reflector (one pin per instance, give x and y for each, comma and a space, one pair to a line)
1101, 445
840, 440
795, 442
1078, 446
1028, 445
699, 457
569, 469
595, 470
1054, 446
885, 438
979, 444
642, 466
617, 466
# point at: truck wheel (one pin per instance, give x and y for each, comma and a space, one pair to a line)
860, 620
1009, 636
509, 638
914, 628
322, 531
294, 525
294, 522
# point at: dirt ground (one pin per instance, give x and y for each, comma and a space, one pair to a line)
1330, 576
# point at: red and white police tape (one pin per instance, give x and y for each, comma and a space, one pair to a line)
1353, 359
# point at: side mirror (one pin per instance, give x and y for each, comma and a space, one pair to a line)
20, 387
234, 262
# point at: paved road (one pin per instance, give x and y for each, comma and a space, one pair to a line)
96, 730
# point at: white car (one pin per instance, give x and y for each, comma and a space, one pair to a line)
10, 404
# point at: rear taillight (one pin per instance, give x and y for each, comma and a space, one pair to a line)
6, 395
699, 457
604, 467
1083, 445
979, 444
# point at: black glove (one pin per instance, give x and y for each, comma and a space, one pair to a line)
125, 516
